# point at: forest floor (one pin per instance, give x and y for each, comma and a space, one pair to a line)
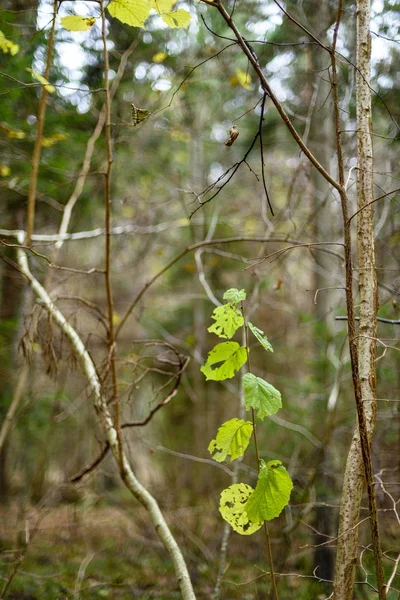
90, 550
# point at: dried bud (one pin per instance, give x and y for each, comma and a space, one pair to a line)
233, 134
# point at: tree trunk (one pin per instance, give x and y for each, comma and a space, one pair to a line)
368, 301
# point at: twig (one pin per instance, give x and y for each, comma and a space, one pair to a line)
100, 403
103, 452
380, 319
30, 217
90, 148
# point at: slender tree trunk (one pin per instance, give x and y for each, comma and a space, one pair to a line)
368, 302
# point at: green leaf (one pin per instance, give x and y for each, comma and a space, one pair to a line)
272, 492
50, 88
234, 296
77, 23
177, 18
131, 12
262, 338
230, 354
7, 46
227, 320
261, 396
231, 440
231, 507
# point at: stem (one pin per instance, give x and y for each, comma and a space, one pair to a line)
107, 200
37, 148
253, 418
267, 89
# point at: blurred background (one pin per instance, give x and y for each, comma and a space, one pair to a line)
89, 538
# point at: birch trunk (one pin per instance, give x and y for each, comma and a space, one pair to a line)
366, 340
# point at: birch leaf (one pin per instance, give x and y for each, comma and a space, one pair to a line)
131, 12
7, 46
231, 440
177, 18
46, 84
241, 78
77, 23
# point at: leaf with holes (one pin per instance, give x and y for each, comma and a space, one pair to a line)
231, 356
234, 296
261, 337
231, 506
227, 321
272, 492
261, 395
231, 440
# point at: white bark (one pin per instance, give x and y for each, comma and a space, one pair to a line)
100, 404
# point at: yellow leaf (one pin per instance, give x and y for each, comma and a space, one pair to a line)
50, 88
178, 18
128, 211
162, 6
76, 23
6, 46
15, 134
159, 57
131, 12
116, 318
241, 78
53, 139
4, 170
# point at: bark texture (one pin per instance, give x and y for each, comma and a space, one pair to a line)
366, 339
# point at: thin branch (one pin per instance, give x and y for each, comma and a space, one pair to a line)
191, 248
30, 217
267, 89
100, 403
104, 451
81, 178
373, 202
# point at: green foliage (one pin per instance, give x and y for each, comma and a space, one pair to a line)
234, 296
272, 492
230, 354
261, 337
231, 440
227, 321
232, 508
261, 396
242, 507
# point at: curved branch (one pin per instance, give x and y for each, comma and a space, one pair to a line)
100, 404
